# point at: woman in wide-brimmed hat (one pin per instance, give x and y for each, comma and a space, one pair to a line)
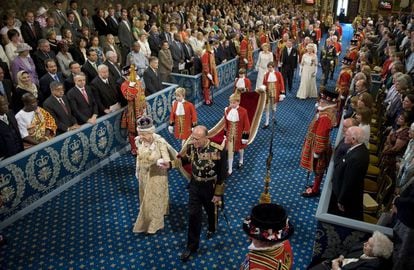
269, 229
24, 62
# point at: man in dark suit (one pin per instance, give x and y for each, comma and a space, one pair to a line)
348, 177
58, 106
6, 88
125, 35
72, 25
112, 63
152, 80
90, 68
177, 52
311, 34
51, 75
10, 140
112, 22
188, 54
42, 53
82, 102
30, 29
105, 92
289, 61
154, 40
75, 68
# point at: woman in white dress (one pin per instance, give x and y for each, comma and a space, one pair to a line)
152, 153
265, 56
307, 72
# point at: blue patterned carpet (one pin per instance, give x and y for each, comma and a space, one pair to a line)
89, 226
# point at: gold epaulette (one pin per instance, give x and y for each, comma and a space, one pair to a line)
218, 146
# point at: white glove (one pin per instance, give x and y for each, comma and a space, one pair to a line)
171, 129
244, 141
281, 97
245, 61
315, 155
160, 162
132, 84
210, 77
332, 62
279, 65
342, 97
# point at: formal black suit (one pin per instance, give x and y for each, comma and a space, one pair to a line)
311, 35
112, 25
348, 182
77, 55
39, 58
114, 71
81, 109
197, 65
289, 64
188, 55
101, 26
105, 94
29, 36
89, 71
219, 54
8, 89
44, 85
177, 54
372, 263
152, 82
63, 118
69, 83
11, 142
154, 42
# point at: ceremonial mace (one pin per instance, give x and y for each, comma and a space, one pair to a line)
265, 196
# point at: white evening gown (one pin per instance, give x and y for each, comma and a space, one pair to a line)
261, 67
308, 66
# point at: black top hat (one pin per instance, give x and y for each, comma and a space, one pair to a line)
347, 61
269, 223
329, 96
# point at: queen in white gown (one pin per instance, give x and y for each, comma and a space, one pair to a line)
265, 56
308, 69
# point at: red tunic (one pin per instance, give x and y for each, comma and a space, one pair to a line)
318, 34
338, 47
183, 123
338, 29
247, 84
246, 52
317, 142
386, 67
280, 257
209, 67
274, 89
344, 81
136, 105
235, 131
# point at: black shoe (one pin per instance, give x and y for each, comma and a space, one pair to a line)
240, 166
185, 255
209, 235
265, 127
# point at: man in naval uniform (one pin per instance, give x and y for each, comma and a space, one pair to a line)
206, 187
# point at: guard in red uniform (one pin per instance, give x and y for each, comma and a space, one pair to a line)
237, 128
316, 150
209, 76
343, 83
135, 95
183, 116
246, 53
242, 83
275, 89
269, 230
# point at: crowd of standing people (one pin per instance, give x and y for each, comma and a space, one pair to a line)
63, 68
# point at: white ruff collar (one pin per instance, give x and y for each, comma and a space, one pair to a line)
233, 115
180, 108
